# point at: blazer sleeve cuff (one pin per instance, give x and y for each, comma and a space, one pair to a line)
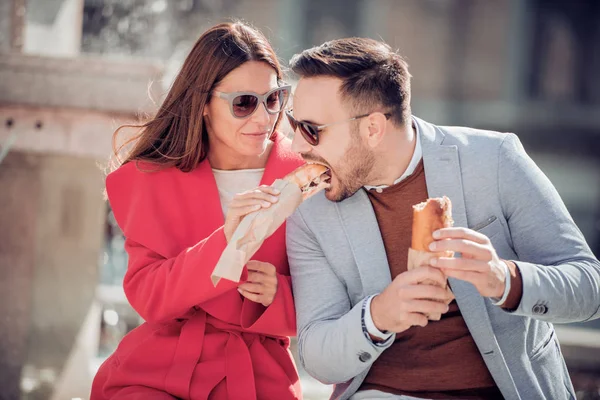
531, 295
516, 287
334, 352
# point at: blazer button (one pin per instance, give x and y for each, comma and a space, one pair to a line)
364, 356
539, 309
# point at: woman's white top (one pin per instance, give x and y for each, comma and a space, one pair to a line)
233, 182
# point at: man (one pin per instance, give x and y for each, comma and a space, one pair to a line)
361, 315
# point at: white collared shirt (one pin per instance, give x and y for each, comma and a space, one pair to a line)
417, 155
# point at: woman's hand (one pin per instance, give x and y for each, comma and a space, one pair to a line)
245, 203
261, 285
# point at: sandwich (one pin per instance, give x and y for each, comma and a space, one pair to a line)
296, 187
429, 216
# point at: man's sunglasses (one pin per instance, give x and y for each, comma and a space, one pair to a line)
244, 104
310, 132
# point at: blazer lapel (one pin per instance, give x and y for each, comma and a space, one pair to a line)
443, 176
361, 228
442, 173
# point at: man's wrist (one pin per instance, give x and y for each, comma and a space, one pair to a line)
374, 333
499, 301
516, 288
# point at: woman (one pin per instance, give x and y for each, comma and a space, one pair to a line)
214, 136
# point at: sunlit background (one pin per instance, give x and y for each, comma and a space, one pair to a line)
71, 71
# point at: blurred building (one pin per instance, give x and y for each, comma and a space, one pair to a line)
57, 111
71, 71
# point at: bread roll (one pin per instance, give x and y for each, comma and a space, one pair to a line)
429, 216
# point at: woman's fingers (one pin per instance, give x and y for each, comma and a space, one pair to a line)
240, 212
261, 278
250, 296
245, 203
261, 284
237, 207
256, 288
255, 195
269, 190
261, 272
265, 268
263, 298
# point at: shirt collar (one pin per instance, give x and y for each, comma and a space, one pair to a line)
417, 155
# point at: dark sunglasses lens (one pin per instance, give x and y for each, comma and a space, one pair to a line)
244, 105
276, 100
310, 133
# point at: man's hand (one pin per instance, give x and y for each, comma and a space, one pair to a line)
406, 301
479, 263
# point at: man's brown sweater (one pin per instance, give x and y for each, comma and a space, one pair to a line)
440, 360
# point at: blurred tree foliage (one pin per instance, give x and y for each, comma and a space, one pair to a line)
147, 28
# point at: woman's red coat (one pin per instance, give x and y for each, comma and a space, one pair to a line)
198, 340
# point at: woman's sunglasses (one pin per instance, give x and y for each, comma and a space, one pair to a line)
244, 104
310, 132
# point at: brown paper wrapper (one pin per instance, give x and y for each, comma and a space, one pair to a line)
253, 230
418, 258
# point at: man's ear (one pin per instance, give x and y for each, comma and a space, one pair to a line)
376, 128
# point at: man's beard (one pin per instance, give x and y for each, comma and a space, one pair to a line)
353, 170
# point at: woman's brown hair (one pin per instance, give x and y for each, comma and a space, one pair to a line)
176, 135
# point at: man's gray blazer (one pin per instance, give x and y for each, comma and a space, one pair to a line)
337, 258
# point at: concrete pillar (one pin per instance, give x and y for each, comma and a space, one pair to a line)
53, 27
52, 213
5, 25
12, 17
19, 194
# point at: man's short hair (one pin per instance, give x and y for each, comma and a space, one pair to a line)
374, 77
